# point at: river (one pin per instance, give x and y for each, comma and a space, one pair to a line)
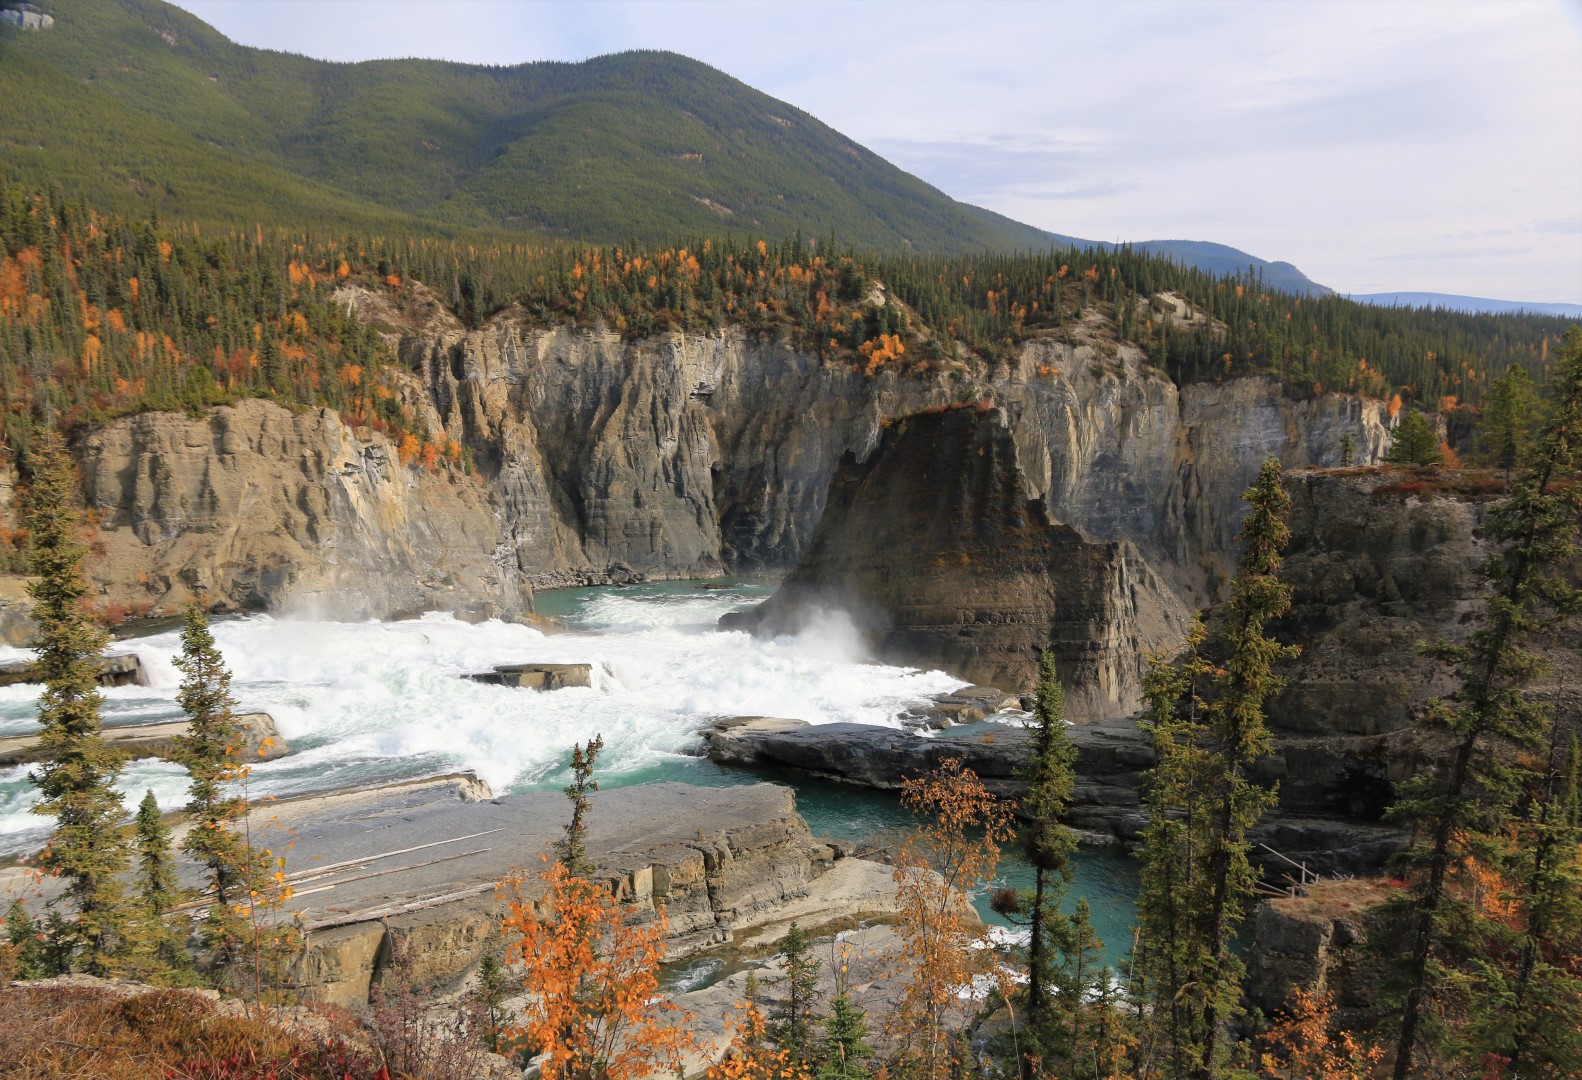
365, 703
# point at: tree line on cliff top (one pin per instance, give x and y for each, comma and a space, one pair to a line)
101, 316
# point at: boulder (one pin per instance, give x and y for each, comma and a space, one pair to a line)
537, 676
120, 670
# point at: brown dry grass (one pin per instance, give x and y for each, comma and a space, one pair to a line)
87, 1032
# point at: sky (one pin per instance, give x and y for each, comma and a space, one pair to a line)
1380, 145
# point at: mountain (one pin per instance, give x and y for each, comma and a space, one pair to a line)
1470, 304
1218, 259
136, 101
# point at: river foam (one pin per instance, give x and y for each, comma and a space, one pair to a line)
366, 703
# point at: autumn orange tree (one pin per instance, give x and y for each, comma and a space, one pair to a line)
954, 851
594, 1011
752, 1055
1304, 1043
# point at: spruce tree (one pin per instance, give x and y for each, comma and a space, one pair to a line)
211, 752
1459, 813
156, 873
1414, 442
157, 954
846, 1051
78, 773
1050, 777
1508, 420
1526, 999
793, 1019
572, 849
30, 954
1208, 728
1241, 737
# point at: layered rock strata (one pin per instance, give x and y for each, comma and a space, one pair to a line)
1106, 806
680, 454
123, 669
253, 507
603, 459
1316, 940
943, 556
418, 863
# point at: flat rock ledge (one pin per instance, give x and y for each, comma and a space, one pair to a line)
419, 863
1107, 802
124, 669
260, 741
537, 676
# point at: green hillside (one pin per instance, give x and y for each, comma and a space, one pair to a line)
136, 101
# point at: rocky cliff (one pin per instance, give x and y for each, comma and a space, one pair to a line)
687, 453
254, 507
672, 456
938, 548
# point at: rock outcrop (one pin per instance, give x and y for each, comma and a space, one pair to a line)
253, 507
1106, 806
26, 17
938, 548
260, 741
123, 669
418, 863
1316, 941
537, 676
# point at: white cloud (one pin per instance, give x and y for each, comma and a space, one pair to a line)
1375, 145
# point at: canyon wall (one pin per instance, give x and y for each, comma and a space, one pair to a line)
685, 454
938, 548
672, 456
254, 507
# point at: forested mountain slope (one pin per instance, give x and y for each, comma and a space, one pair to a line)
137, 102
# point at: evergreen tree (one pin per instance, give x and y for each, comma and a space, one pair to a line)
572, 849
793, 1020
211, 752
1508, 420
78, 773
157, 952
156, 873
846, 1051
1170, 952
1050, 777
31, 956
1413, 442
1459, 813
1526, 997
1089, 1039
1208, 727
1241, 736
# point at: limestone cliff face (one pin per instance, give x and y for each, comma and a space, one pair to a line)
946, 559
254, 507
673, 456
688, 453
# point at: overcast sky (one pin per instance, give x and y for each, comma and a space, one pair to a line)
1387, 145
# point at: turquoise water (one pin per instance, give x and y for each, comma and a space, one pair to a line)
1106, 878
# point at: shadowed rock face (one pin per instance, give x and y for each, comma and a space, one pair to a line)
944, 558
